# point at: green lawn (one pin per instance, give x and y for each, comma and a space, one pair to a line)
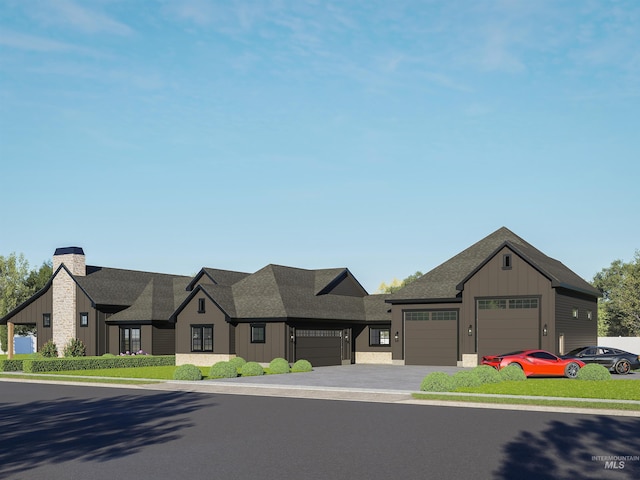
563, 387
156, 373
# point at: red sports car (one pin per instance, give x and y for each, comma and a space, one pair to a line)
536, 363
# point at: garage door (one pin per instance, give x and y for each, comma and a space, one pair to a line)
320, 347
506, 325
431, 337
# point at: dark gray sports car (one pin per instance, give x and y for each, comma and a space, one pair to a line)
615, 360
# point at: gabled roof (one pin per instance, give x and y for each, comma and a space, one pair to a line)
157, 301
216, 276
446, 281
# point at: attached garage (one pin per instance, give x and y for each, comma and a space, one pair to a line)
507, 324
320, 347
431, 337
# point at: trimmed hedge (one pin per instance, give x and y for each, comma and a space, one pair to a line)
437, 382
11, 365
466, 378
93, 363
487, 374
301, 366
278, 366
512, 373
237, 362
593, 371
251, 369
187, 372
223, 370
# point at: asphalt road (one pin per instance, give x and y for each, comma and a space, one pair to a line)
84, 432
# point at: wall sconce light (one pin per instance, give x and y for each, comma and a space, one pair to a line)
470, 330
397, 336
545, 330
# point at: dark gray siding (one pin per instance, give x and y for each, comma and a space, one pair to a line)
164, 339
577, 331
362, 339
273, 347
89, 334
212, 315
32, 314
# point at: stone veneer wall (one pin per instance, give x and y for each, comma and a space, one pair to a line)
63, 321
201, 359
374, 357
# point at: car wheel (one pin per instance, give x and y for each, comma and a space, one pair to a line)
623, 367
571, 370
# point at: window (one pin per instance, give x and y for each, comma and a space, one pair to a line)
523, 303
496, 304
379, 336
424, 315
543, 355
84, 319
574, 313
130, 339
46, 320
506, 261
258, 333
202, 338
201, 305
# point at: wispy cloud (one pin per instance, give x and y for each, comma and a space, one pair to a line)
32, 43
69, 14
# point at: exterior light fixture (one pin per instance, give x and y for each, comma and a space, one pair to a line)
470, 330
397, 336
545, 330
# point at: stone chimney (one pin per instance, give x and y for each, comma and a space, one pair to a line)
65, 311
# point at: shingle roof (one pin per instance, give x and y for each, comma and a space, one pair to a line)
444, 281
277, 291
159, 299
113, 286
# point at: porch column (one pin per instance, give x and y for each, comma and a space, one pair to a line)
10, 340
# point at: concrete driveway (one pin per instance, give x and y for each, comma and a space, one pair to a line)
405, 378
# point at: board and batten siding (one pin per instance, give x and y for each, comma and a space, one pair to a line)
579, 331
164, 339
212, 315
87, 335
494, 281
32, 314
275, 344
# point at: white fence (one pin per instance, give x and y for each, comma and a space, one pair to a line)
630, 344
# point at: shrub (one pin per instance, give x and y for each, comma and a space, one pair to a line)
49, 350
487, 374
279, 365
108, 355
10, 365
38, 365
223, 370
187, 372
237, 362
512, 373
437, 382
302, 366
75, 348
593, 371
251, 369
466, 378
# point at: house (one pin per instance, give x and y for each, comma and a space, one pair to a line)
500, 294
109, 309
324, 316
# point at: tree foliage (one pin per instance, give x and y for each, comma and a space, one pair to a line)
17, 284
619, 308
396, 284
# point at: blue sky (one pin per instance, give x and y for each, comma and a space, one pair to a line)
381, 136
